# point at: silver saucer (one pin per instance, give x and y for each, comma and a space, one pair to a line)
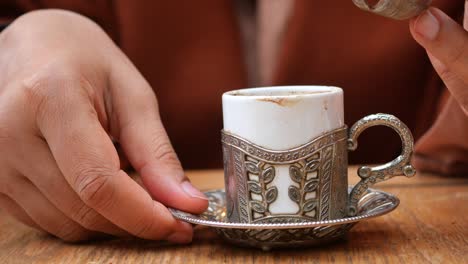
278, 235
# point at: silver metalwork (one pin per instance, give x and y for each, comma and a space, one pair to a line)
396, 9
317, 169
286, 234
371, 175
318, 173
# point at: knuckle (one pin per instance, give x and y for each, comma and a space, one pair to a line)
162, 148
86, 217
35, 94
164, 151
94, 187
48, 86
39, 83
57, 87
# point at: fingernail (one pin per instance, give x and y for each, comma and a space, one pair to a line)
192, 191
180, 238
427, 25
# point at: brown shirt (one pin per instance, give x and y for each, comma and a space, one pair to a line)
192, 52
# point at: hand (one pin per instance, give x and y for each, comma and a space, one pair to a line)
446, 43
65, 90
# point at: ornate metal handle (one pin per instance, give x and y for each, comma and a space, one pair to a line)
396, 9
397, 167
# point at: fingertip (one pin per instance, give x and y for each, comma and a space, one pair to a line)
197, 200
426, 25
193, 192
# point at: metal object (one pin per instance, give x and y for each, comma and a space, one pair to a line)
312, 178
371, 175
292, 234
317, 172
396, 9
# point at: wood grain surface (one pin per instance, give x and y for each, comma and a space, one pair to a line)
429, 226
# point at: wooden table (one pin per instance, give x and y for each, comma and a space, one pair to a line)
429, 226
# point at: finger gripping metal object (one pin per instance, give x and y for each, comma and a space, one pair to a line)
396, 9
313, 176
292, 234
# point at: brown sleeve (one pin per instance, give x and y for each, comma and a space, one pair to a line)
443, 149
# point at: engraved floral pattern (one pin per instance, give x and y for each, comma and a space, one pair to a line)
300, 194
254, 170
261, 176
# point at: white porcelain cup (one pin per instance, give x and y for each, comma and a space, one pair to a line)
285, 154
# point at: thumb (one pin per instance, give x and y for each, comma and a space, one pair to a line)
145, 142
